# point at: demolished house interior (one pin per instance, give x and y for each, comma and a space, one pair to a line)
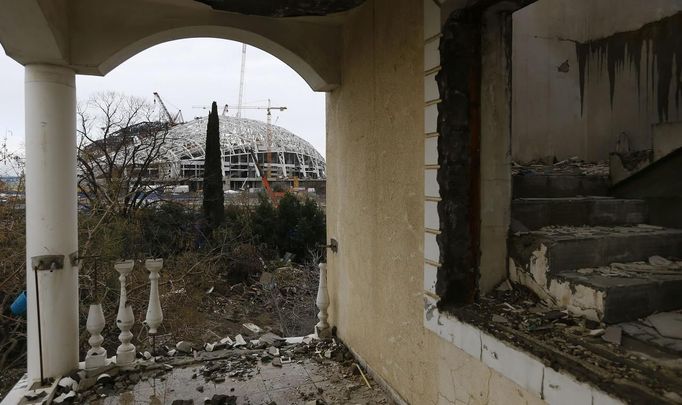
594, 240
551, 239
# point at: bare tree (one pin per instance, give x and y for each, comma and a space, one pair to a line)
120, 152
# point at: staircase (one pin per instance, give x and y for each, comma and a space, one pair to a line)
580, 249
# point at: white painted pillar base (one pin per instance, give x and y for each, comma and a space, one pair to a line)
51, 218
125, 353
154, 312
97, 355
322, 328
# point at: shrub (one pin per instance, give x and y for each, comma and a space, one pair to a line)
294, 226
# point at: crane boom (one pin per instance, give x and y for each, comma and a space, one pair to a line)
263, 177
241, 83
268, 137
171, 120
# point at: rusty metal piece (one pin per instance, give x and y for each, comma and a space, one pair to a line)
333, 245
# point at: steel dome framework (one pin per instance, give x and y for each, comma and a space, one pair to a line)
184, 152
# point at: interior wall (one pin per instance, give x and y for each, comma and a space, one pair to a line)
375, 210
551, 116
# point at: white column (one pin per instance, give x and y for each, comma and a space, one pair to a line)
51, 218
322, 327
154, 312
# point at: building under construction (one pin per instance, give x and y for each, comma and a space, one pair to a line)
288, 159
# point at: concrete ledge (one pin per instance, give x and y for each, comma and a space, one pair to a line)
524, 369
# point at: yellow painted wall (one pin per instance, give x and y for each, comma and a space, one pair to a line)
375, 158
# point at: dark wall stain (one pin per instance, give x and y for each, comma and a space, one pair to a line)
458, 118
283, 8
661, 42
459, 153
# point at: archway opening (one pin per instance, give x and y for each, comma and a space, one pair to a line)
260, 265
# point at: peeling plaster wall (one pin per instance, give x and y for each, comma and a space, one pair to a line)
375, 123
553, 115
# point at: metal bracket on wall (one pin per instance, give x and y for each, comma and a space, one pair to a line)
48, 262
333, 245
74, 259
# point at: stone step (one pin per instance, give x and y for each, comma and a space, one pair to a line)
535, 213
538, 185
564, 248
619, 296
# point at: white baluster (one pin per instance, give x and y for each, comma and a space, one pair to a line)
154, 313
322, 327
97, 355
125, 353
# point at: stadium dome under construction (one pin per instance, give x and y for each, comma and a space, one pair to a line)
242, 139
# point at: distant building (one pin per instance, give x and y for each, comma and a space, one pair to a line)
241, 139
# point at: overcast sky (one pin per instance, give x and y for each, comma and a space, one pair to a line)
187, 73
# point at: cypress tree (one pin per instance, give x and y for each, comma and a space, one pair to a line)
213, 204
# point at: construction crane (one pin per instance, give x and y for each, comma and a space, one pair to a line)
172, 120
268, 138
264, 178
241, 84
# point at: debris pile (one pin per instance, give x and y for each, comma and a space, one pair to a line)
619, 356
572, 166
656, 265
231, 359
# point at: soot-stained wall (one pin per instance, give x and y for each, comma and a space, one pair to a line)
584, 72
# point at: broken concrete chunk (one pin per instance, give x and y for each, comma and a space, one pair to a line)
184, 346
270, 339
172, 352
668, 324
226, 341
209, 347
64, 397
68, 383
659, 261
273, 351
252, 327
597, 332
239, 341
35, 395
277, 362
613, 334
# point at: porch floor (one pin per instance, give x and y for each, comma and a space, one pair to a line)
293, 383
292, 372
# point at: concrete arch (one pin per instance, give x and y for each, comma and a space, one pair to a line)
94, 36
316, 70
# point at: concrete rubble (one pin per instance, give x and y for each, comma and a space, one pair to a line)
615, 356
230, 362
572, 166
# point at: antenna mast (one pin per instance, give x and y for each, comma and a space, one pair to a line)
241, 83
